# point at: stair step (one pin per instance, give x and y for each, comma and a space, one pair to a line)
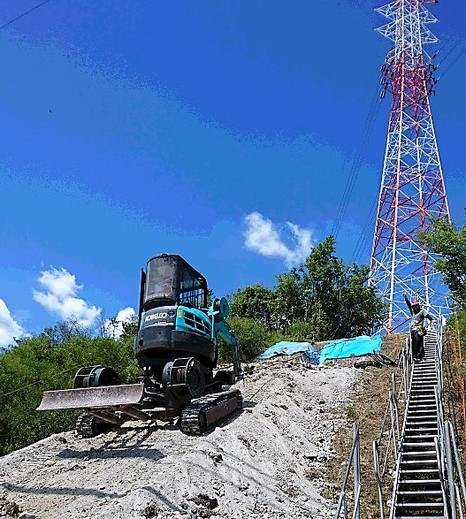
419, 438
423, 482
409, 480
421, 456
418, 464
422, 506
422, 471
411, 416
420, 493
424, 418
429, 424
423, 516
424, 430
419, 446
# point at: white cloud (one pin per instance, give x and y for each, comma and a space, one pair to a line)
60, 297
263, 237
9, 328
114, 327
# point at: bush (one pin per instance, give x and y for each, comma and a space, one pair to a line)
40, 363
252, 336
302, 331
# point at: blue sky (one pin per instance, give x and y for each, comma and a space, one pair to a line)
131, 128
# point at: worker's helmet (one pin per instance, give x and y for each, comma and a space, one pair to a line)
415, 301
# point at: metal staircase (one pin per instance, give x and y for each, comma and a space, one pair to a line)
416, 458
418, 490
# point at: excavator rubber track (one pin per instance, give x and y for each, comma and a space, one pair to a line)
88, 426
202, 415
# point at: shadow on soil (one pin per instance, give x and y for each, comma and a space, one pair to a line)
20, 489
141, 451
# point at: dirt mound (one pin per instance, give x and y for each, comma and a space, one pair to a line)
266, 462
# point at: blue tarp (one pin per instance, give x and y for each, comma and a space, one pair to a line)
287, 348
340, 349
355, 347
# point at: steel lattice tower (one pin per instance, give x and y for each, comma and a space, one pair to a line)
412, 191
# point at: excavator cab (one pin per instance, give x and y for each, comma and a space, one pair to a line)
169, 279
173, 319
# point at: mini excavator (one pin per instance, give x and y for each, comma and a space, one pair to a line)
176, 347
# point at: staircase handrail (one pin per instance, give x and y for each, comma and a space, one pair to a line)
354, 461
453, 483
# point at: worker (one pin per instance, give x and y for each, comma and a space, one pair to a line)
416, 327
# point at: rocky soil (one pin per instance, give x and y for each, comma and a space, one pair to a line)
266, 462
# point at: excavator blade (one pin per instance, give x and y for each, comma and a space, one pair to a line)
90, 397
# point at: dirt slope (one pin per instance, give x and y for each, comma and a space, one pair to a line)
265, 463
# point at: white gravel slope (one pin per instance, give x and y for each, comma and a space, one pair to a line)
264, 463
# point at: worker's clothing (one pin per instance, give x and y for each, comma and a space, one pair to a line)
417, 330
417, 345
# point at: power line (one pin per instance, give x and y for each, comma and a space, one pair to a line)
20, 389
364, 235
357, 162
23, 14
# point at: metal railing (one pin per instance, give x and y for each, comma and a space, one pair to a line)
386, 446
452, 476
453, 473
346, 499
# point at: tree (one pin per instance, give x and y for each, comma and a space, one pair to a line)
252, 337
253, 302
324, 279
288, 302
450, 242
360, 309
325, 298
50, 361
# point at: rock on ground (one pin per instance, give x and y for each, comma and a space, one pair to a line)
266, 462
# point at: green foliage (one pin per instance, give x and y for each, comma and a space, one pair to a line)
326, 298
253, 338
323, 299
253, 302
289, 303
50, 361
448, 241
302, 331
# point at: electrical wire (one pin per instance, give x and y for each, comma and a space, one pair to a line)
24, 14
357, 162
19, 389
364, 236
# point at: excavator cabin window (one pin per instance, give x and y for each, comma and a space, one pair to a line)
191, 289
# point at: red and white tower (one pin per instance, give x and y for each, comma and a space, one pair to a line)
412, 191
